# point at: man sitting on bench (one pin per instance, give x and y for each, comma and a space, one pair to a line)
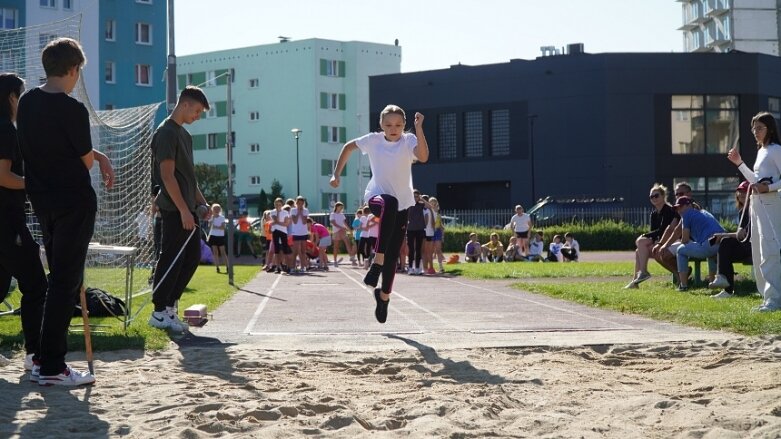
697, 228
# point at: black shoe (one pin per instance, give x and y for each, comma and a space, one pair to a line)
373, 276
381, 311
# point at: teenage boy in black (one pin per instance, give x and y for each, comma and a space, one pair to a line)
54, 137
19, 253
179, 198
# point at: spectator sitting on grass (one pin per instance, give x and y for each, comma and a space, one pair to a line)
536, 246
554, 250
571, 249
473, 249
513, 251
493, 251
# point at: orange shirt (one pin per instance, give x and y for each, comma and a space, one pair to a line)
267, 230
243, 225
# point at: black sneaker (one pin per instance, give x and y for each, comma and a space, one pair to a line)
373, 276
381, 311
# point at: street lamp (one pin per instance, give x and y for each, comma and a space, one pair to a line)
297, 133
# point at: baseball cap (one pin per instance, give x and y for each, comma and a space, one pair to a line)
743, 186
682, 201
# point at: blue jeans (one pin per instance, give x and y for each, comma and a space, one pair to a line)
699, 251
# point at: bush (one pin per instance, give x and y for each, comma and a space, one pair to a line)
604, 235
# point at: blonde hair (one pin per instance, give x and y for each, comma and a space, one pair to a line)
392, 109
662, 189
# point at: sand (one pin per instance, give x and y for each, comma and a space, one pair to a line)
690, 390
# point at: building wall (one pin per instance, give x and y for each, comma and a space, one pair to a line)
724, 25
289, 94
603, 125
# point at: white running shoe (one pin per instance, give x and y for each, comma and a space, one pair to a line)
724, 294
166, 320
410, 270
67, 377
28, 362
631, 285
35, 374
419, 271
720, 281
642, 277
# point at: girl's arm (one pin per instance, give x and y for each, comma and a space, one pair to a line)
421, 149
347, 149
734, 156
7, 178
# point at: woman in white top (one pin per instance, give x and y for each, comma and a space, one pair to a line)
339, 232
765, 208
521, 223
217, 236
389, 192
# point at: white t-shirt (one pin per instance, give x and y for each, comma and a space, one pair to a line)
364, 221
522, 222
337, 221
283, 214
391, 165
535, 248
298, 228
217, 221
374, 228
430, 223
768, 164
574, 246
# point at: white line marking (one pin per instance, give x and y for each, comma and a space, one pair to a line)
540, 303
261, 305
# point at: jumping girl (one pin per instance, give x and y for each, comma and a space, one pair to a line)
389, 192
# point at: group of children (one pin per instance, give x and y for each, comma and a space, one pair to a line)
495, 251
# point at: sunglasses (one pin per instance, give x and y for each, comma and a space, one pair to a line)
654, 196
680, 194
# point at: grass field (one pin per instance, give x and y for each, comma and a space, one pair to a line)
207, 287
600, 284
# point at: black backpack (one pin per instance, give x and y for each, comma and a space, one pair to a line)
102, 304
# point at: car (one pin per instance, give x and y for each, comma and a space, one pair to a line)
553, 211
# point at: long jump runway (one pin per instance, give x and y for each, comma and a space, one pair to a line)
335, 310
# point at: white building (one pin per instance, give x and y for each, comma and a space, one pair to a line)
725, 25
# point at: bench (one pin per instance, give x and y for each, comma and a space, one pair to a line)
697, 272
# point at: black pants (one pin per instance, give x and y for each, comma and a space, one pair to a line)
20, 258
157, 233
415, 246
182, 269
393, 225
66, 236
730, 251
569, 254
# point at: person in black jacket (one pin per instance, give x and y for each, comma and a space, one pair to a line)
661, 217
733, 247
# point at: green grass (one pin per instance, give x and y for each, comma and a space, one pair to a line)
656, 298
207, 287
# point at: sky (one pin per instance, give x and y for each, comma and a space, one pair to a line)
435, 34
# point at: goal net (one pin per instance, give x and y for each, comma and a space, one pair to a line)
124, 135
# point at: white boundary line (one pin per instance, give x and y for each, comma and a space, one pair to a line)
541, 304
261, 305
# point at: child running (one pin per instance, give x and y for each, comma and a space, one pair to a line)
389, 192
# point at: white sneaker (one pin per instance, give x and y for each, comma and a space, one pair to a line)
631, 285
28, 362
165, 320
410, 270
419, 271
35, 374
642, 277
67, 377
724, 294
720, 281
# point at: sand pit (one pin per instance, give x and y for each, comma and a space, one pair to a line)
689, 389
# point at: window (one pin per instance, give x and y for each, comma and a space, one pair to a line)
254, 147
10, 61
67, 4
447, 136
330, 67
211, 113
143, 33
703, 124
254, 83
8, 18
715, 194
48, 3
773, 107
333, 101
111, 30
110, 72
254, 116
254, 180
211, 79
211, 141
327, 168
43, 39
473, 134
333, 134
143, 74
500, 132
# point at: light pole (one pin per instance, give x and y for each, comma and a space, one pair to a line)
296, 134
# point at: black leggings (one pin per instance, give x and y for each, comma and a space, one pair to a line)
280, 242
415, 246
393, 225
731, 250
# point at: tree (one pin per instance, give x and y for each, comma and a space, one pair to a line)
262, 202
276, 190
213, 183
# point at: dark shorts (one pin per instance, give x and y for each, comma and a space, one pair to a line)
429, 238
438, 234
522, 234
300, 237
218, 241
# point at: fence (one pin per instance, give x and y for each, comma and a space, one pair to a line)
554, 215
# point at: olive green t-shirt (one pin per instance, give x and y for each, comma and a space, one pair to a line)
172, 142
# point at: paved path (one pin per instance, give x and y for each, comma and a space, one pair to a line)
335, 311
